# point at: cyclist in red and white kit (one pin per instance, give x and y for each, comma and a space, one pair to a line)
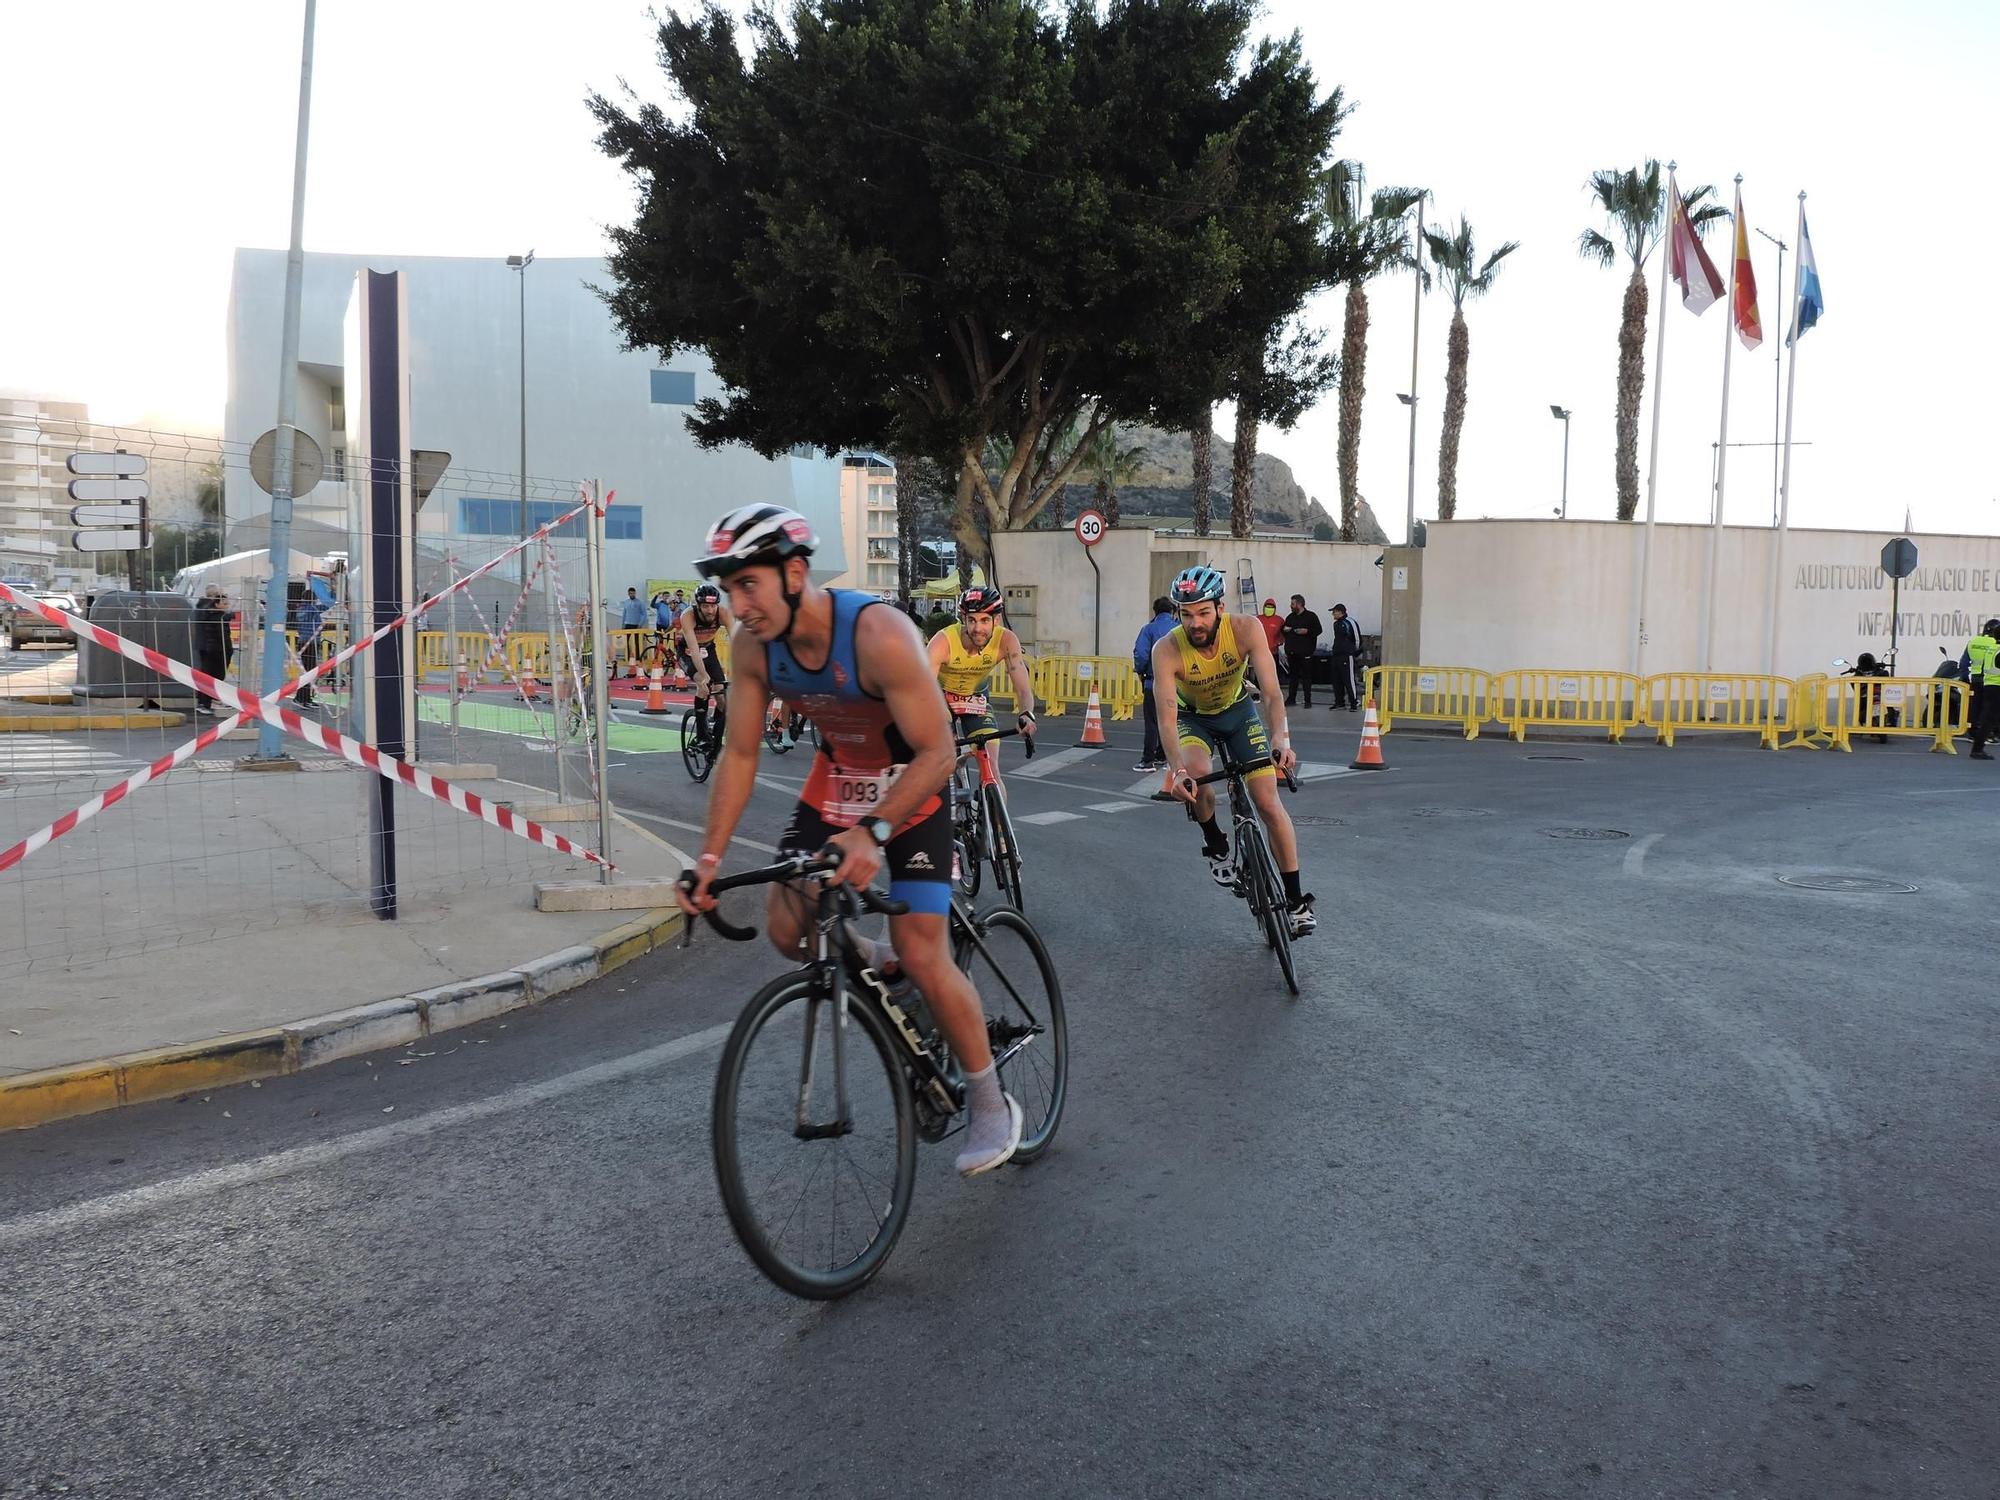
878, 789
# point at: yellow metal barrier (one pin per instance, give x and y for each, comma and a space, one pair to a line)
1547, 698
1742, 703
1062, 680
1806, 714
1929, 707
1444, 695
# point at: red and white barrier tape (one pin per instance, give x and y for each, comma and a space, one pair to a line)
266, 708
575, 664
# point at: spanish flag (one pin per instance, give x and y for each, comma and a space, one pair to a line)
1743, 312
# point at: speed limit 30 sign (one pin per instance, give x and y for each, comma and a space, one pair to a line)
1090, 527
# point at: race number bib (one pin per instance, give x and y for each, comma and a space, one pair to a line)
854, 795
971, 707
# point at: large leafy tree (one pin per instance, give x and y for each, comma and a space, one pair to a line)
923, 224
1455, 259
1108, 463
1634, 202
1376, 230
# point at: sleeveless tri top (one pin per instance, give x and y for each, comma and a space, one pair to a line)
964, 673
861, 750
1210, 685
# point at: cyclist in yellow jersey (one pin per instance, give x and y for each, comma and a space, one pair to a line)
965, 655
1206, 661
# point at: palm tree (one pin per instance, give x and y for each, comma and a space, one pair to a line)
1375, 228
1454, 258
1635, 207
1202, 440
1109, 464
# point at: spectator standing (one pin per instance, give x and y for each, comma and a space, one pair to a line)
632, 614
1302, 630
1346, 661
663, 613
307, 614
1152, 757
1981, 668
211, 641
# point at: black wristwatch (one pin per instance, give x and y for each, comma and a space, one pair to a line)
881, 830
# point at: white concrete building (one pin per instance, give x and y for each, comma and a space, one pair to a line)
37, 436
594, 411
868, 524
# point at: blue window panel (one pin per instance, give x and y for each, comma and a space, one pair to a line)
501, 517
673, 387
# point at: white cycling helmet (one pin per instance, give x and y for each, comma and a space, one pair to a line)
755, 534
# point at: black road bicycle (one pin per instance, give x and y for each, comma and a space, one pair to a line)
1257, 878
698, 750
830, 1076
981, 830
781, 735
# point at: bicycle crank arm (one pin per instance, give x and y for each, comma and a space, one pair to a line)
831, 1130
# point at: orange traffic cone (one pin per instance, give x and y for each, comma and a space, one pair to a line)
1370, 757
464, 677
1093, 723
656, 693
529, 689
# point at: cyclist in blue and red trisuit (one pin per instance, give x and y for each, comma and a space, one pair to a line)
879, 787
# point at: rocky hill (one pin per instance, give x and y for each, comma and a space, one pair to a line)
1163, 489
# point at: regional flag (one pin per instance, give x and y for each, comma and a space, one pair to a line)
1749, 326
1687, 262
1811, 303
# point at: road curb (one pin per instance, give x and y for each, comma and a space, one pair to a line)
30, 1099
25, 723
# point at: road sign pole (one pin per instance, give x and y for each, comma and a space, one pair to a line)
1090, 531
132, 557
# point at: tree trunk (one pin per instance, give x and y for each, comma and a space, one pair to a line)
1243, 462
965, 528
1631, 385
1107, 502
1458, 351
1202, 441
1353, 367
906, 525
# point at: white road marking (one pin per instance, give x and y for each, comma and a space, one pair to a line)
697, 828
1146, 785
1635, 857
1043, 764
785, 784
1113, 807
1042, 819
134, 1201
1319, 770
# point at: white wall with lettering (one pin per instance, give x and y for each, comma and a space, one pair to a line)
1502, 594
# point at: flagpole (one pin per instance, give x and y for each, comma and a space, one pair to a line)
1645, 580
1785, 482
1722, 441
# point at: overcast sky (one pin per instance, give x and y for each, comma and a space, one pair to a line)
148, 140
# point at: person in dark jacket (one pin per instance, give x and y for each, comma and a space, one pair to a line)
211, 641
1152, 757
1300, 633
1346, 661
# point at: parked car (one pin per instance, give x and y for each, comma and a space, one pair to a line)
24, 625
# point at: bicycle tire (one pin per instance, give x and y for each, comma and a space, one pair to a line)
694, 749
727, 1144
774, 738
1004, 850
1038, 1075
1274, 910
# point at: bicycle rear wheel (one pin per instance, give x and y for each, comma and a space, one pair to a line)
694, 748
774, 738
1022, 997
818, 1215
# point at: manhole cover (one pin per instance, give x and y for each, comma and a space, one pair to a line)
1552, 757
1453, 812
1871, 885
1586, 833
1318, 820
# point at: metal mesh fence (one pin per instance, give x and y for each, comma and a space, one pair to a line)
211, 849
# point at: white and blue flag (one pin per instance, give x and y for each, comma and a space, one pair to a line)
1811, 303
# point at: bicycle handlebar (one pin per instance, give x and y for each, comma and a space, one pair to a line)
965, 746
1291, 782
791, 867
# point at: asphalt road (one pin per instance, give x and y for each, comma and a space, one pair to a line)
1584, 1166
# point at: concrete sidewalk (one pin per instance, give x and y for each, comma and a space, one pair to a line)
217, 926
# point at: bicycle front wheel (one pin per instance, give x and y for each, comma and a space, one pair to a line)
816, 1197
694, 748
1004, 957
1267, 899
1004, 849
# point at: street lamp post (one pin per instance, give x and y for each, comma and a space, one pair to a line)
1410, 400
520, 263
1563, 417
1410, 515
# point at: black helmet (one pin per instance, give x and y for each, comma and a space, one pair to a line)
708, 593
1991, 627
979, 600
